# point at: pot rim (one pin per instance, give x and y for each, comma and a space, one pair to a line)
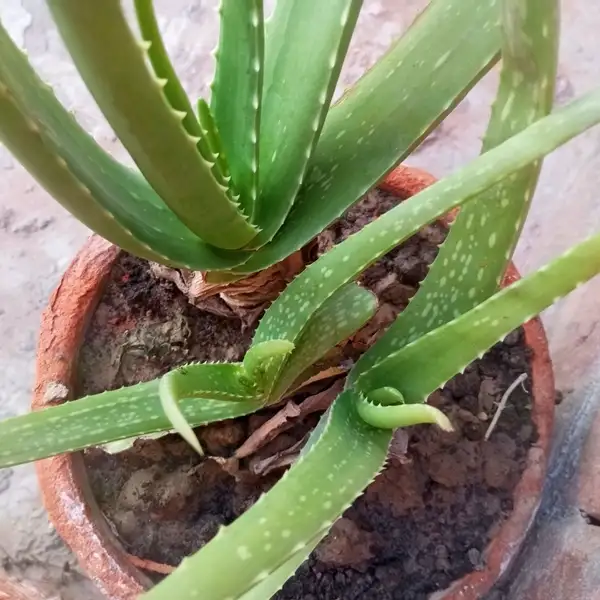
73, 510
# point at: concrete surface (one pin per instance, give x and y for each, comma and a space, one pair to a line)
38, 238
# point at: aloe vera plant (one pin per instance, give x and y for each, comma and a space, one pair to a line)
234, 184
254, 199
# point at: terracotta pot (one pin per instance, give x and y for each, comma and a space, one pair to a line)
73, 510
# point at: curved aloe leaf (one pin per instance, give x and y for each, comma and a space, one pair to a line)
237, 93
303, 59
387, 114
386, 408
115, 193
112, 64
472, 261
346, 260
344, 453
34, 151
276, 580
427, 363
101, 418
170, 403
215, 148
339, 317
173, 89
263, 362
163, 68
344, 456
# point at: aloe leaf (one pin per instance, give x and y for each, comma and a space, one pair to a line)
490, 225
344, 456
219, 381
175, 94
170, 404
303, 59
115, 193
102, 418
173, 89
344, 453
424, 365
386, 408
29, 145
346, 260
339, 317
215, 148
387, 114
237, 93
163, 68
263, 362
276, 580
112, 63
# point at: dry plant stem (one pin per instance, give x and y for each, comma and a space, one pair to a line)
244, 298
286, 418
149, 565
520, 379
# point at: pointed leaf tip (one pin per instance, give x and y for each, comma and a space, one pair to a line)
169, 401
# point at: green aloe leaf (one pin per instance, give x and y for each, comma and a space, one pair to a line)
386, 115
344, 456
95, 420
303, 59
163, 68
344, 453
339, 317
346, 260
263, 362
386, 408
215, 149
105, 190
473, 259
112, 63
237, 93
174, 92
34, 151
275, 581
426, 364
170, 403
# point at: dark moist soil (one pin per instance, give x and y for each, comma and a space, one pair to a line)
423, 523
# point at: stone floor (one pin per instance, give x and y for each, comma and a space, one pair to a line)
38, 239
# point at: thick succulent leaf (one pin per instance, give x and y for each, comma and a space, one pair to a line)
174, 91
34, 151
215, 149
387, 114
386, 408
344, 456
237, 93
345, 261
472, 261
263, 362
163, 68
306, 42
110, 416
170, 403
106, 191
339, 317
113, 65
219, 381
274, 582
427, 363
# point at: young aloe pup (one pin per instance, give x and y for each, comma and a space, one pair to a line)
253, 199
